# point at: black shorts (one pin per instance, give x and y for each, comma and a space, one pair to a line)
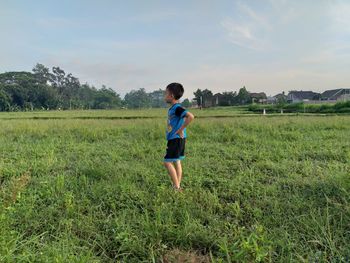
175, 150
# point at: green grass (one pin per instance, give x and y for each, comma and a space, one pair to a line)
94, 190
342, 107
121, 113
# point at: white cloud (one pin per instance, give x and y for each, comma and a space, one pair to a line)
285, 11
256, 18
248, 29
242, 34
238, 34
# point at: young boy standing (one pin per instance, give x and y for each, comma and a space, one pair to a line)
178, 119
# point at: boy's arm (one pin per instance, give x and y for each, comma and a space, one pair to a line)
188, 118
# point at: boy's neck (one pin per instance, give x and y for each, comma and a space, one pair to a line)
174, 102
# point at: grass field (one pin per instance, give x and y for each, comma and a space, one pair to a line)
89, 186
122, 113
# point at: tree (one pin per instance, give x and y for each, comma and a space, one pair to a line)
137, 99
87, 96
157, 99
198, 96
281, 98
204, 98
243, 96
41, 73
106, 98
51, 90
43, 96
207, 98
17, 93
5, 101
186, 103
227, 98
70, 90
57, 78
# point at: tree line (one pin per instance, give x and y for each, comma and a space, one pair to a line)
55, 89
45, 89
205, 98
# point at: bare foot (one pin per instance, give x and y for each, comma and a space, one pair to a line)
177, 189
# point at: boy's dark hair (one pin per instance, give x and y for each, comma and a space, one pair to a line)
176, 90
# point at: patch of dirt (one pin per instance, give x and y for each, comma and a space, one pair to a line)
179, 256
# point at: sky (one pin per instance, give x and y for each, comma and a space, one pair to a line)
265, 45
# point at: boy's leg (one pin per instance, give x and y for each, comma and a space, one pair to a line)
172, 173
178, 169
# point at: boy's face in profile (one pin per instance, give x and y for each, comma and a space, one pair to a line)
168, 97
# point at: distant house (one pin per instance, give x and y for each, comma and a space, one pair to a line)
281, 97
258, 97
278, 98
271, 100
302, 96
208, 102
336, 95
213, 101
217, 99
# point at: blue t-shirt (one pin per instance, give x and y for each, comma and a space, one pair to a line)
176, 114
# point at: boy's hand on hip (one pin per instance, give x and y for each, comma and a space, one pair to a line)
180, 132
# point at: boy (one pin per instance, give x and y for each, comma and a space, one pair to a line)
178, 119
